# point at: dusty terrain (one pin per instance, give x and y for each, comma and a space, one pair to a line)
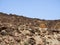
19, 30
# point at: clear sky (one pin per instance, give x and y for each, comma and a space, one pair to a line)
42, 9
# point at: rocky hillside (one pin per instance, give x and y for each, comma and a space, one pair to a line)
19, 30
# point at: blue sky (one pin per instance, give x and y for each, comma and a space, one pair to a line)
42, 9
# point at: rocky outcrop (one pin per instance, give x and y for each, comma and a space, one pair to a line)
19, 30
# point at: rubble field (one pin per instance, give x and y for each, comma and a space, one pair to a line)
20, 30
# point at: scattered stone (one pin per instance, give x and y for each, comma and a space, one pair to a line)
19, 30
3, 32
31, 41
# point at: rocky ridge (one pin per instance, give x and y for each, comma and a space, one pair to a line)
20, 30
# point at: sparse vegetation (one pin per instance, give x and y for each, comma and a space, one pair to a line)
20, 30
